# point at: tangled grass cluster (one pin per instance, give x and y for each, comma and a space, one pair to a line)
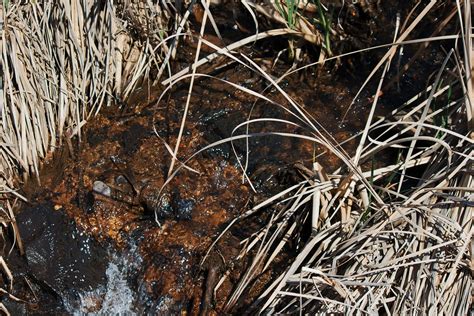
61, 62
395, 239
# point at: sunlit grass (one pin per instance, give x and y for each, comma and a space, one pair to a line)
61, 62
382, 239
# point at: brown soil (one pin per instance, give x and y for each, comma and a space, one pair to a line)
121, 149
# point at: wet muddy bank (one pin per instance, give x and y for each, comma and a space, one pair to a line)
90, 231
108, 191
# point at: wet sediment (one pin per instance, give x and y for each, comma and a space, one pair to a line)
91, 229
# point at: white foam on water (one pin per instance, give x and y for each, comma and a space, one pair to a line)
113, 298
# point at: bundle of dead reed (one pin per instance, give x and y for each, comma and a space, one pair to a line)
394, 239
377, 245
61, 62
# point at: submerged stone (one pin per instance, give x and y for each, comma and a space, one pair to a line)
102, 188
61, 258
167, 205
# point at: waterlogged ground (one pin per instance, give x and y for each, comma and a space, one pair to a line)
103, 198
103, 235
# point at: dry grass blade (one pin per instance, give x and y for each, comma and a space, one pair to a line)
392, 50
190, 91
229, 48
392, 239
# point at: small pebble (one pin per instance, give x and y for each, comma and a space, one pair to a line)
101, 188
121, 180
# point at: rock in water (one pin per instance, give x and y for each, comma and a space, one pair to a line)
58, 255
102, 188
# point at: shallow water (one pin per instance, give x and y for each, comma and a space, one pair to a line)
112, 298
110, 193
91, 240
